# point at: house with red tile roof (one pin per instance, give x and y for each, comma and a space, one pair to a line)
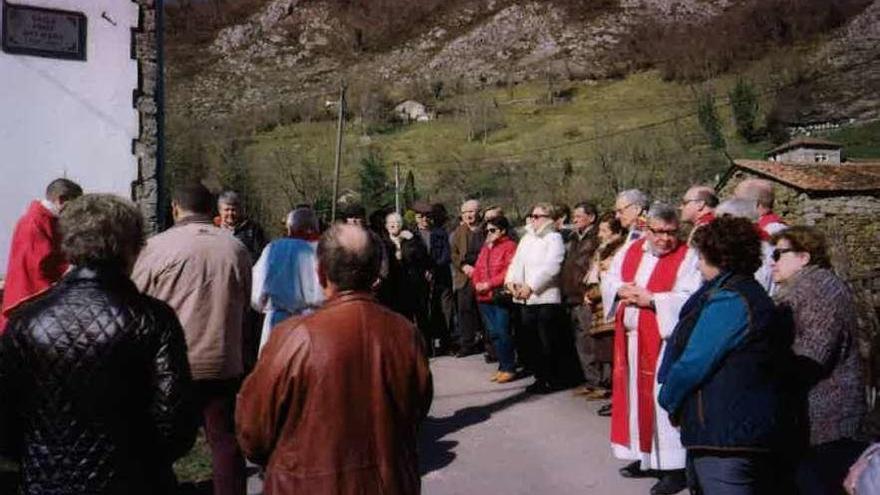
841, 197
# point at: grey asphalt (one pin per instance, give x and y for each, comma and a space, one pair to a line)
485, 438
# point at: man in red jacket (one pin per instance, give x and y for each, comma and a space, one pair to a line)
35, 259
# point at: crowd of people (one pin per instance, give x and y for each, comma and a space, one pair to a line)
720, 337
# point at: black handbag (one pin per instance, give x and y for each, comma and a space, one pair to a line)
501, 296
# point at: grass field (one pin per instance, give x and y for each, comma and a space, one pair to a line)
644, 127
195, 466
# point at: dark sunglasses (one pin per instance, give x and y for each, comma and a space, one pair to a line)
777, 253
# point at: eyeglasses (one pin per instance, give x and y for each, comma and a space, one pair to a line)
622, 208
669, 232
535, 217
492, 230
685, 201
777, 253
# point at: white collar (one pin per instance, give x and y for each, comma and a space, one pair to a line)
53, 209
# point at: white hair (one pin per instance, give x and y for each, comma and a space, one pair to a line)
738, 208
231, 198
634, 197
394, 216
302, 219
471, 202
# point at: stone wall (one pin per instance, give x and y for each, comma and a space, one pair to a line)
145, 48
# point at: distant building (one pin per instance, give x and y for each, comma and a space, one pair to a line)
412, 111
807, 150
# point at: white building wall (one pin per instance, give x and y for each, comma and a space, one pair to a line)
69, 118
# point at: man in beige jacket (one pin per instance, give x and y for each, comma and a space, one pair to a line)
204, 273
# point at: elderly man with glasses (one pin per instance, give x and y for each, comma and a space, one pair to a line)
629, 209
643, 292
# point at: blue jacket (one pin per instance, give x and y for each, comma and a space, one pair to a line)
722, 371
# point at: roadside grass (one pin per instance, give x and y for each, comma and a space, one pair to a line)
196, 465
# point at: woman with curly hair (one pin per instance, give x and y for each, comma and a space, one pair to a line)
721, 383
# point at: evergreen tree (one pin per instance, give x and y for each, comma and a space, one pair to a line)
375, 190
744, 103
709, 121
410, 195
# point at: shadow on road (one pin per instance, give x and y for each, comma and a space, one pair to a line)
436, 453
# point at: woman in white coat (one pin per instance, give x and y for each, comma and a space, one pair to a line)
533, 279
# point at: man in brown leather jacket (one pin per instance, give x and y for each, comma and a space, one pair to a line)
336, 398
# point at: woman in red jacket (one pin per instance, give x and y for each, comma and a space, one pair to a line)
488, 279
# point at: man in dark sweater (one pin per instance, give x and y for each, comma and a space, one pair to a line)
579, 248
436, 241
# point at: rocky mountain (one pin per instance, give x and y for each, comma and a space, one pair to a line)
290, 51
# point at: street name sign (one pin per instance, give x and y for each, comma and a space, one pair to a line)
43, 32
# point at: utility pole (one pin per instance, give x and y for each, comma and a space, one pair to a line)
397, 187
339, 126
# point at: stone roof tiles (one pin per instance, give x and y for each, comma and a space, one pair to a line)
843, 177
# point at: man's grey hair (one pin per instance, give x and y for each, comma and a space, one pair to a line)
758, 190
663, 212
302, 219
738, 208
634, 197
231, 198
394, 216
472, 202
101, 230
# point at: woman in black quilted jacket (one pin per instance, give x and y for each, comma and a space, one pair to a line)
94, 379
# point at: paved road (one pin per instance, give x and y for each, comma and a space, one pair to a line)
485, 438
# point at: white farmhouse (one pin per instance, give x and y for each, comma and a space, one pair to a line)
412, 111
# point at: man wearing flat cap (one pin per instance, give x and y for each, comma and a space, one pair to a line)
439, 302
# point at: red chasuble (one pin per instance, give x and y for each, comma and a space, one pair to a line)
662, 279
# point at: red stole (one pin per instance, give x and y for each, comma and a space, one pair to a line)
769, 218
662, 279
705, 219
763, 234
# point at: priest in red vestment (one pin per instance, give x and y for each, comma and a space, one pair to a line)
35, 259
648, 282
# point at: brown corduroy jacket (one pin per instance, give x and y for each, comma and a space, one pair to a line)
334, 403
